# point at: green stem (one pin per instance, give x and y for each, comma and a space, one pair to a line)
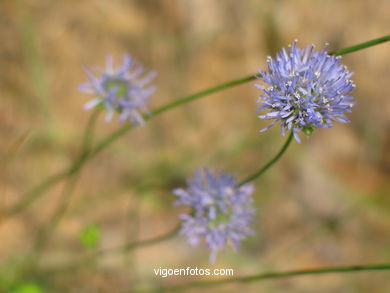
203, 93
40, 189
133, 245
52, 180
121, 249
270, 163
274, 275
171, 234
361, 46
45, 232
290, 137
34, 194
124, 129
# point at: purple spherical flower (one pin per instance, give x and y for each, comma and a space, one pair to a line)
123, 89
306, 90
221, 210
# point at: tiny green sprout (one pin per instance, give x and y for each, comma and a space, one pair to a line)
90, 236
308, 130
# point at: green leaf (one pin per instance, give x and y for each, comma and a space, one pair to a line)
90, 236
28, 288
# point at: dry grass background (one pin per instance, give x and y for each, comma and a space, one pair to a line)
326, 203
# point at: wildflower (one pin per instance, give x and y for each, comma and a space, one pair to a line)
221, 210
120, 89
306, 90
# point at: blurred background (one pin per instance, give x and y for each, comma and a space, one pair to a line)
325, 203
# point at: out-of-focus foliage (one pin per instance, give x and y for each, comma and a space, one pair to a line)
28, 288
90, 236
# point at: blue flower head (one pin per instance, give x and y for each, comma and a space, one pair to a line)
221, 211
306, 90
121, 89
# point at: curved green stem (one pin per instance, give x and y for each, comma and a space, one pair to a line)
270, 163
45, 232
172, 233
121, 249
40, 189
103, 144
34, 194
133, 245
124, 129
37, 191
274, 275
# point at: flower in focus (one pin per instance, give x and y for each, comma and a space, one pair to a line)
122, 89
306, 90
221, 210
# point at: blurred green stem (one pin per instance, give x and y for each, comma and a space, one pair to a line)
270, 163
39, 76
121, 249
273, 275
174, 232
38, 191
31, 196
46, 231
133, 245
124, 129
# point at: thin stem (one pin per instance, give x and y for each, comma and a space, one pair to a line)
270, 163
129, 247
361, 46
174, 232
203, 93
47, 231
133, 245
34, 194
290, 137
40, 189
274, 275
124, 129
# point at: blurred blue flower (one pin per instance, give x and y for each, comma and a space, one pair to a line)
122, 89
306, 90
221, 211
